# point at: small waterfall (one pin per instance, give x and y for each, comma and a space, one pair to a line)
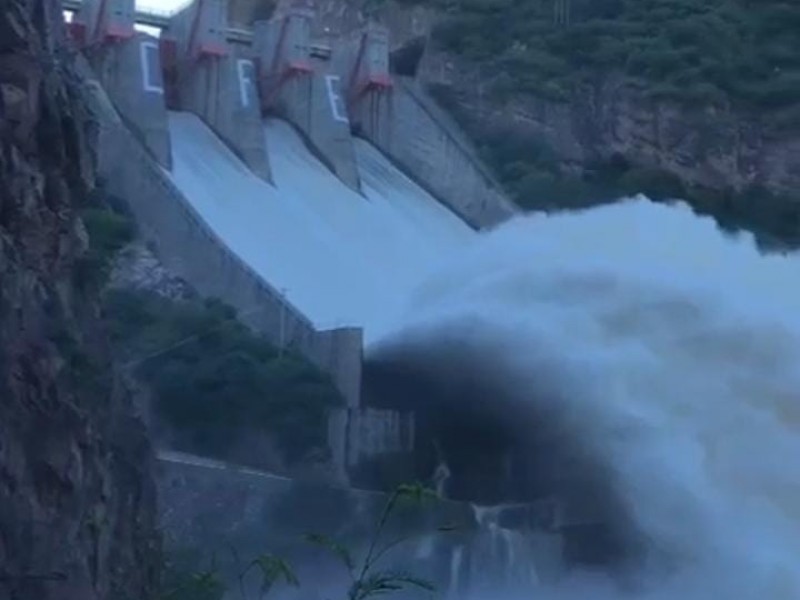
456, 560
500, 561
425, 548
440, 477
500, 558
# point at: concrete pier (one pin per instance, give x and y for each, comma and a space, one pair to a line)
131, 74
216, 81
127, 64
297, 82
363, 62
397, 116
101, 21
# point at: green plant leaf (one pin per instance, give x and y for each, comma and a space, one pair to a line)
334, 547
383, 583
206, 580
273, 570
415, 492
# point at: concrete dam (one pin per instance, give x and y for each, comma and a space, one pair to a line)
251, 133
299, 180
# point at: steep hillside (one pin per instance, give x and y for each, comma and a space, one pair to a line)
77, 516
705, 91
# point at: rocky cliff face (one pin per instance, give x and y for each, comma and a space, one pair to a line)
77, 503
711, 148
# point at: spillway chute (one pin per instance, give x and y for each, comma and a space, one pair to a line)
340, 258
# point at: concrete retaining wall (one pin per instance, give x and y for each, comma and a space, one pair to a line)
408, 126
358, 434
106, 19
222, 91
217, 82
212, 507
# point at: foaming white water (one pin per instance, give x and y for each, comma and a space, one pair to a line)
674, 354
499, 557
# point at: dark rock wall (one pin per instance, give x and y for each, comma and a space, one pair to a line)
77, 502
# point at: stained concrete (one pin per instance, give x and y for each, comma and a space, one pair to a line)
106, 19
217, 81
364, 433
128, 65
130, 73
222, 92
300, 85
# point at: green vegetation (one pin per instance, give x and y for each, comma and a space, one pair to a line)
383, 471
179, 582
742, 52
222, 390
108, 232
367, 578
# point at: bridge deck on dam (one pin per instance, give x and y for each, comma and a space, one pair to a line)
341, 258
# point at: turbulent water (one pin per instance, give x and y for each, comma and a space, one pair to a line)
672, 353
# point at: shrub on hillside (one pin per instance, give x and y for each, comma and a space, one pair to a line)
108, 232
215, 383
703, 51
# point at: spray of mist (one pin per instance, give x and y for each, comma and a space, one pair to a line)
673, 354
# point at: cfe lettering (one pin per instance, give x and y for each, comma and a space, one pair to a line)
151, 72
244, 68
335, 98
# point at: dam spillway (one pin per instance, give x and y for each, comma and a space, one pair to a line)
341, 258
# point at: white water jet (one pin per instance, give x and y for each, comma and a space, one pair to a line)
456, 561
673, 353
501, 560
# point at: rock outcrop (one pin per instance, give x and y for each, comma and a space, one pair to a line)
137, 268
77, 501
713, 148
